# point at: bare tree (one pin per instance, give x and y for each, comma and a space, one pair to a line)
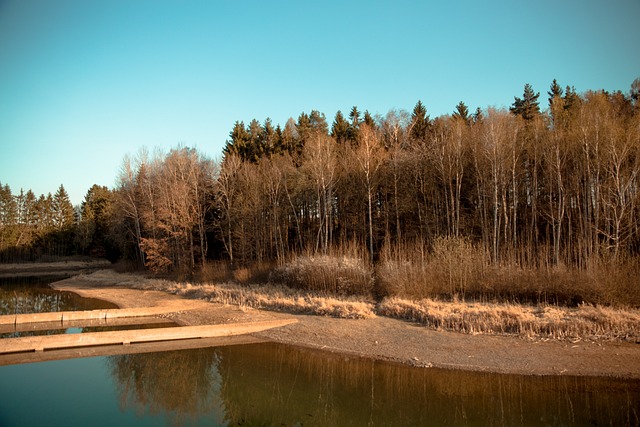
369, 155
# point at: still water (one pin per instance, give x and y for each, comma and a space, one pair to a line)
273, 384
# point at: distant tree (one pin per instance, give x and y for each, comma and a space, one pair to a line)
268, 138
63, 212
571, 98
228, 191
556, 103
238, 142
27, 219
318, 122
340, 128
354, 126
420, 122
8, 217
555, 92
94, 227
634, 93
369, 156
290, 136
477, 116
368, 119
528, 106
320, 166
462, 112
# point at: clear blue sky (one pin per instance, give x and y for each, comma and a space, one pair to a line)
83, 83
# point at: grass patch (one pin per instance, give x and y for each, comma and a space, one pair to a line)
536, 321
330, 275
454, 268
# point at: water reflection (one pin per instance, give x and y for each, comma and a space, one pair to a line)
271, 384
33, 295
182, 385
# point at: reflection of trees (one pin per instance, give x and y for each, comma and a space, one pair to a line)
32, 295
274, 385
24, 295
180, 384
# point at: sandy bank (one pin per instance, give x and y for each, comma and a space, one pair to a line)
394, 340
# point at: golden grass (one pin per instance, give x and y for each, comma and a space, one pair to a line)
335, 275
279, 298
536, 321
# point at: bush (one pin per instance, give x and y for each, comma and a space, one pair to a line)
331, 275
452, 268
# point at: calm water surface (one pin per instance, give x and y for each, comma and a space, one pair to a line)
273, 384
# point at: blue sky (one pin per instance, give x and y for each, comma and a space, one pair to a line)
83, 83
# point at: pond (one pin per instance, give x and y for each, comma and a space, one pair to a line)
274, 384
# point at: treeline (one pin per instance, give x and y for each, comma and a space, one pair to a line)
36, 227
530, 186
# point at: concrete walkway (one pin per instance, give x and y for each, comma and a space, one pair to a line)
126, 337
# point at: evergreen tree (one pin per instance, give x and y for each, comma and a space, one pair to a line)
556, 102
462, 112
290, 136
354, 126
634, 93
555, 92
477, 116
94, 227
368, 120
8, 217
267, 138
255, 150
420, 122
526, 107
8, 208
239, 139
340, 128
63, 213
318, 122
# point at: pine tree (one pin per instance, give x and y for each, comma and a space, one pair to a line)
239, 138
318, 122
462, 112
556, 103
634, 93
354, 126
63, 213
340, 128
555, 92
526, 107
478, 116
267, 138
8, 217
368, 120
420, 123
571, 98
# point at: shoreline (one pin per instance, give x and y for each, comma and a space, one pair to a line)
392, 340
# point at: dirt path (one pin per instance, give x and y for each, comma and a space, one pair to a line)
394, 340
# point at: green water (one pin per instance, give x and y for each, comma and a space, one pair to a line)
275, 385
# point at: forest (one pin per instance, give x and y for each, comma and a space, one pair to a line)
537, 201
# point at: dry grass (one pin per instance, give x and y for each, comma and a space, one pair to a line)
455, 268
536, 322
331, 275
270, 297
